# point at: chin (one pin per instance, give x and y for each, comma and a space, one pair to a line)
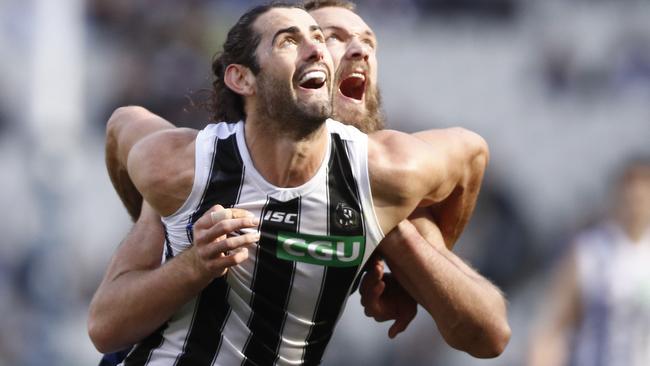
316, 106
351, 115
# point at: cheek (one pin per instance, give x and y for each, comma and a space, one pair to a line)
373, 66
337, 54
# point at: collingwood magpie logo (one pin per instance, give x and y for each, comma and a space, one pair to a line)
346, 216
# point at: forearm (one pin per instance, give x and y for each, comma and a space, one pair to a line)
137, 294
126, 126
468, 310
131, 306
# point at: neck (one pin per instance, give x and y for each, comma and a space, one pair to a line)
285, 158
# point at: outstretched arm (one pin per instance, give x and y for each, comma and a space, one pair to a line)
382, 297
133, 299
469, 311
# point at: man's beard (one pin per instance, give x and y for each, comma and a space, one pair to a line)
286, 114
374, 118
371, 119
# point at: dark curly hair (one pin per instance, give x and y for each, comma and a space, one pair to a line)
239, 48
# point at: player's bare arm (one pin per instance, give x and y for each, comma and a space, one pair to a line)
431, 179
127, 126
161, 167
134, 299
468, 152
469, 311
425, 177
380, 295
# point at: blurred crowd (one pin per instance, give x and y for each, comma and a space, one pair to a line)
559, 88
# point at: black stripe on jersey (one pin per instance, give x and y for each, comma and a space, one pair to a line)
271, 285
142, 351
203, 340
342, 193
169, 253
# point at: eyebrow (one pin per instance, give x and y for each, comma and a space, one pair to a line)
367, 32
293, 30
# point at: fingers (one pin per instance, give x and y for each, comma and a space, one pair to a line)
226, 246
371, 299
374, 275
400, 324
218, 213
374, 307
371, 289
219, 266
234, 258
219, 221
221, 236
222, 228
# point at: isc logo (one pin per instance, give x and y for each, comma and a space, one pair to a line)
278, 216
335, 251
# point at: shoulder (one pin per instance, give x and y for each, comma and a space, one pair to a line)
162, 167
453, 136
395, 158
397, 151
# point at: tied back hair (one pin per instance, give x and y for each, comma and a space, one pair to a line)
239, 48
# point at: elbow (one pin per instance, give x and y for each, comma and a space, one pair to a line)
493, 343
99, 337
475, 146
104, 337
478, 148
481, 341
120, 116
118, 138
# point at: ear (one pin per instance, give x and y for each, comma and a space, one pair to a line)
239, 79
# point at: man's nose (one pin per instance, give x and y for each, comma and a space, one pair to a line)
357, 50
315, 51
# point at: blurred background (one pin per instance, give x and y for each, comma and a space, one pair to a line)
560, 89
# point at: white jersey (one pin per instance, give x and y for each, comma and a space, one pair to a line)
614, 277
280, 306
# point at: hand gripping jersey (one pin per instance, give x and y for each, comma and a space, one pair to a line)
281, 305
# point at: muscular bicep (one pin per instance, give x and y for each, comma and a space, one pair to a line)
162, 168
129, 125
405, 173
125, 127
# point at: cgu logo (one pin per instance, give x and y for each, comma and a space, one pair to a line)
278, 216
334, 251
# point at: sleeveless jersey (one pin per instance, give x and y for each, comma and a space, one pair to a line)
280, 306
614, 280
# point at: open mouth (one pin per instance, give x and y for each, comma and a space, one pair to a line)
313, 80
353, 86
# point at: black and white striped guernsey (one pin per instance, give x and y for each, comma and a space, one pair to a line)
281, 305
